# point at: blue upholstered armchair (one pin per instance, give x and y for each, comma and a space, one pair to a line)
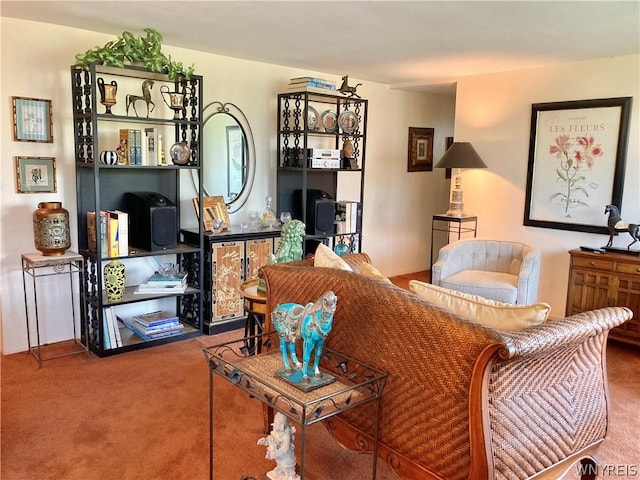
499, 270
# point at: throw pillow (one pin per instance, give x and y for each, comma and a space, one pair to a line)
325, 257
371, 271
503, 316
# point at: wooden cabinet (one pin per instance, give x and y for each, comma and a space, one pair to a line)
154, 230
599, 280
230, 258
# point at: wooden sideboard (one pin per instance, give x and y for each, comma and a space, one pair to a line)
230, 258
609, 279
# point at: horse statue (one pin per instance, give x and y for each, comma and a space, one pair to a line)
345, 89
312, 323
616, 224
131, 100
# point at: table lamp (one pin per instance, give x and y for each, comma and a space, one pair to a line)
459, 155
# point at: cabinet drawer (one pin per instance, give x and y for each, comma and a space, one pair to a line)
628, 268
600, 264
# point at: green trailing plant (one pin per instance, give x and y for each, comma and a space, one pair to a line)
146, 50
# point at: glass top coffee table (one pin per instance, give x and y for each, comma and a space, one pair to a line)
355, 384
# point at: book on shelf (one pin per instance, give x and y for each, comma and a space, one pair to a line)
350, 213
112, 236
158, 279
154, 146
153, 334
156, 318
122, 226
307, 88
146, 289
313, 82
111, 331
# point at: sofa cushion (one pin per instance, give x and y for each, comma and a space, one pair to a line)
371, 271
499, 286
325, 257
502, 316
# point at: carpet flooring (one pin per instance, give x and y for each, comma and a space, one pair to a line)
145, 415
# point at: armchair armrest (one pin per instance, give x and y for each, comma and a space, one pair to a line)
529, 277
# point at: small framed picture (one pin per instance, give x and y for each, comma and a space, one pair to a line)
420, 156
32, 120
36, 174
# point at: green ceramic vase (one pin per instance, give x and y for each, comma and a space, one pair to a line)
114, 280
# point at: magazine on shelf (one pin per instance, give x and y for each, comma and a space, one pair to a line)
145, 289
158, 279
150, 334
154, 319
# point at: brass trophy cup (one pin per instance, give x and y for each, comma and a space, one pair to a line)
107, 94
176, 100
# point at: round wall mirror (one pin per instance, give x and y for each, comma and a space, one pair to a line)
228, 156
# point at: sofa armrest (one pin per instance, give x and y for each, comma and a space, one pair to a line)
560, 334
546, 394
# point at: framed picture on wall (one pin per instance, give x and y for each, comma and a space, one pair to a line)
420, 155
35, 174
32, 120
577, 154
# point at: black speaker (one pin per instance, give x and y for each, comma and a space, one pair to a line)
152, 221
321, 208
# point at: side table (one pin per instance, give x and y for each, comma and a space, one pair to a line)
452, 225
255, 306
355, 384
37, 265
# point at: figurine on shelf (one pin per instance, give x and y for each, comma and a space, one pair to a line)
131, 100
280, 448
345, 89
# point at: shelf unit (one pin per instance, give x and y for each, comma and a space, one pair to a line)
102, 187
297, 181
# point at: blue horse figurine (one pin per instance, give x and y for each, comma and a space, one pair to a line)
312, 323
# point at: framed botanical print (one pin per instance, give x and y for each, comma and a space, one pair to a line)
35, 174
577, 155
32, 120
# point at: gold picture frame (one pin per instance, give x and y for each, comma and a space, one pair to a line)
36, 175
213, 208
32, 120
420, 156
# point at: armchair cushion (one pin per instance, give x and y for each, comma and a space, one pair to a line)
503, 316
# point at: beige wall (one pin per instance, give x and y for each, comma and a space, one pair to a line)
494, 111
398, 205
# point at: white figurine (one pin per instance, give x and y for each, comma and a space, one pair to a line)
280, 448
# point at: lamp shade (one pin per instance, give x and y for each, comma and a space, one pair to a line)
461, 155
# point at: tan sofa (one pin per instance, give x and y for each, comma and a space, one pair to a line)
462, 401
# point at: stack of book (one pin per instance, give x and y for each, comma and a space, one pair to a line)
158, 283
153, 325
112, 226
311, 84
348, 217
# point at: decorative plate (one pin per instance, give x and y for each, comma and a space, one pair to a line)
348, 121
312, 118
329, 121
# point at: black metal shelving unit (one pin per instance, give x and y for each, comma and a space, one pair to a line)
297, 180
102, 187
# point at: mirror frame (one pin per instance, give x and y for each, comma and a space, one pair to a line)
218, 108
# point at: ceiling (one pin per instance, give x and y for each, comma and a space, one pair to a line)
416, 45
